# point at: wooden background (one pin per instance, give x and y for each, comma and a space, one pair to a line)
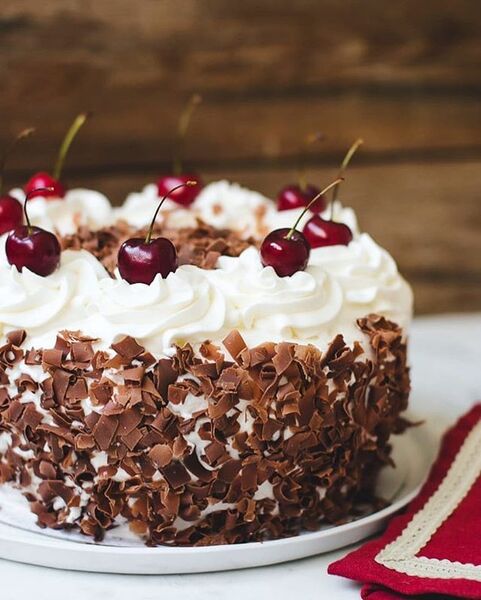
404, 75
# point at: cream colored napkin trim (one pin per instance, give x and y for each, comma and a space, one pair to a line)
400, 554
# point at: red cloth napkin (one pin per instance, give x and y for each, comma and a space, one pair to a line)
434, 547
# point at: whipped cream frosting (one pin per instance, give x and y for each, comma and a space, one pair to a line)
139, 207
185, 307
43, 305
65, 215
222, 204
231, 206
340, 284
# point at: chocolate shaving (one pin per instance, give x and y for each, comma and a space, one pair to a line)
177, 394
104, 431
52, 358
17, 337
161, 455
234, 344
128, 348
82, 352
176, 474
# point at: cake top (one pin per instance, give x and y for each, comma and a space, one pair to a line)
220, 284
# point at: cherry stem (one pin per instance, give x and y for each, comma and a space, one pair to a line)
148, 237
310, 139
3, 160
67, 141
182, 127
321, 193
27, 198
347, 159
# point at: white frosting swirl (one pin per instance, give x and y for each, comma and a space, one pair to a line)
368, 276
139, 208
184, 307
339, 285
65, 215
230, 206
262, 304
45, 305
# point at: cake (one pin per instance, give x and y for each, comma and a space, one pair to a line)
221, 404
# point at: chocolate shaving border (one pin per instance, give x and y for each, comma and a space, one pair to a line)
202, 448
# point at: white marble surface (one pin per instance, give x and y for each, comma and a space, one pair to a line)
446, 358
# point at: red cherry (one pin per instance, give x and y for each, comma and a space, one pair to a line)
41, 181
140, 260
321, 232
184, 194
33, 248
36, 186
11, 213
290, 197
295, 196
287, 250
286, 255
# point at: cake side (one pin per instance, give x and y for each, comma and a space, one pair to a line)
115, 410
218, 445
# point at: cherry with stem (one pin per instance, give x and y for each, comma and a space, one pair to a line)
33, 248
287, 250
321, 232
43, 180
140, 260
184, 195
11, 210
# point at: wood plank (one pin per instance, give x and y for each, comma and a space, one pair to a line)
446, 297
427, 215
253, 131
403, 75
248, 44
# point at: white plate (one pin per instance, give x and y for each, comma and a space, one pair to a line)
413, 454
